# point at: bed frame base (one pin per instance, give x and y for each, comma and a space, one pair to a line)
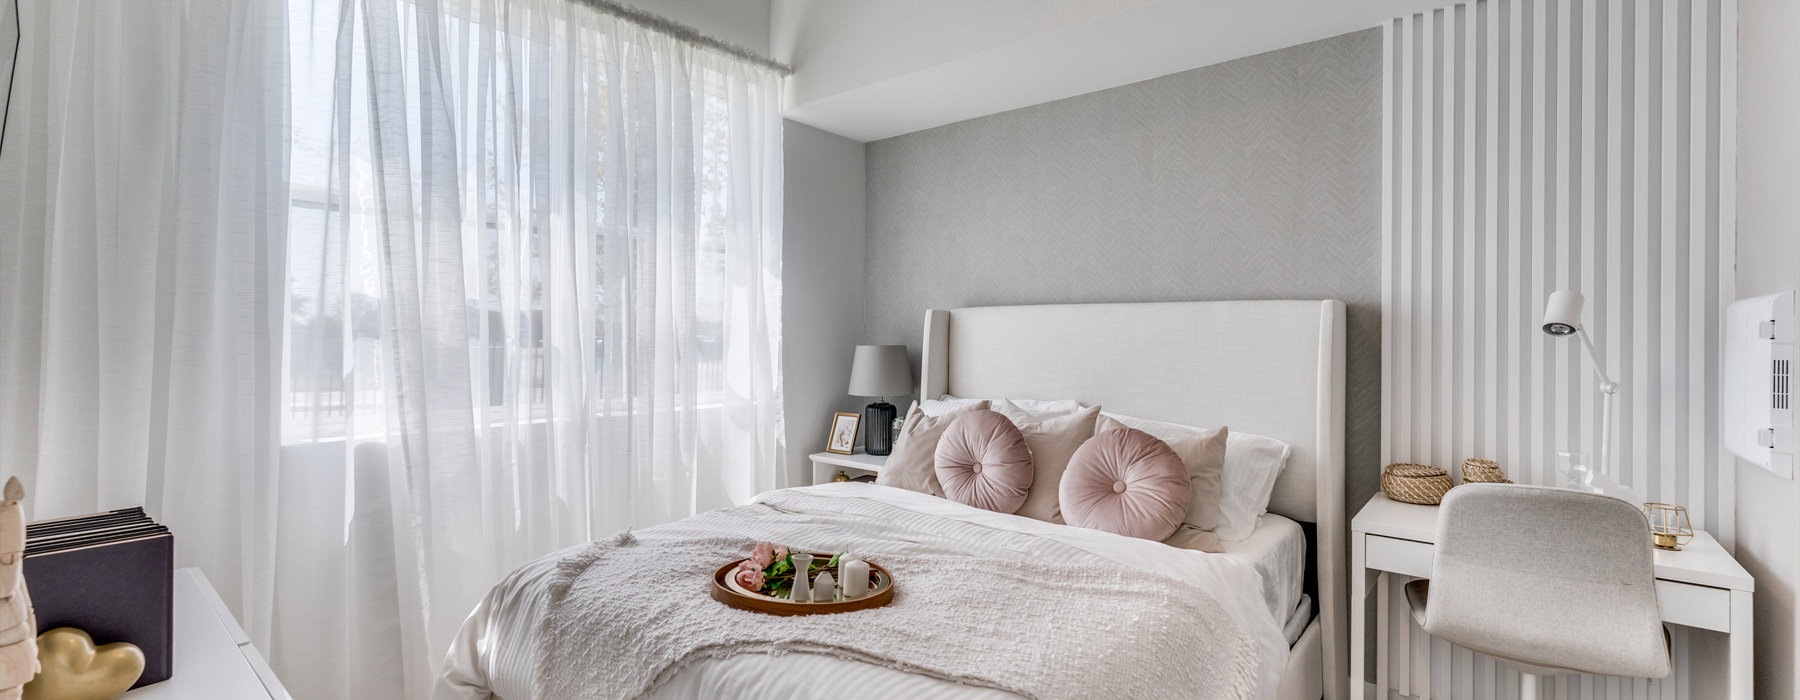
1303, 678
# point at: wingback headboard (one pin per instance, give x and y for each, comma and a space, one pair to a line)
1273, 368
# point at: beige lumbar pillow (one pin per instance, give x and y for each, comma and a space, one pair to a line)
912, 464
1201, 449
1052, 441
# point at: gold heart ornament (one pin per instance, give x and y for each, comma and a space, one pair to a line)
73, 669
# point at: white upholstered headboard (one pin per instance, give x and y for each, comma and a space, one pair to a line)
1273, 368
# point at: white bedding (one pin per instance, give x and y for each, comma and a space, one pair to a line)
495, 653
1277, 549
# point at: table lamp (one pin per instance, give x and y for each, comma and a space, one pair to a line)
1562, 318
880, 371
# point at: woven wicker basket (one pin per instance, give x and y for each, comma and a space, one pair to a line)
1415, 483
1476, 470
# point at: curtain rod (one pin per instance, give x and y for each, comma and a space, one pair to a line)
685, 33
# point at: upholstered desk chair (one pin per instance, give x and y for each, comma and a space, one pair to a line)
1547, 580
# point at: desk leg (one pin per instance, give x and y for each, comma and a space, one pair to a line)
1383, 634
1743, 634
1359, 615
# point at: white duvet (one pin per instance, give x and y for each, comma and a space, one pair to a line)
495, 653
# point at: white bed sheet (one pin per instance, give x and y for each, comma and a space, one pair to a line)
1277, 548
495, 653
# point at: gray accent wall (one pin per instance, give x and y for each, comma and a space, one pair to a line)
1259, 178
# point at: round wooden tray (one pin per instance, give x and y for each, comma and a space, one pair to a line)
724, 592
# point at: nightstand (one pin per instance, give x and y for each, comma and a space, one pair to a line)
827, 464
213, 657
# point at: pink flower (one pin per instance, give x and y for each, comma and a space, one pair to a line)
781, 552
750, 577
763, 555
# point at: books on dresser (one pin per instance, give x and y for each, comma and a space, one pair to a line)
109, 574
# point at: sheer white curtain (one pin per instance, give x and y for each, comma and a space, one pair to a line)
142, 211
533, 298
374, 300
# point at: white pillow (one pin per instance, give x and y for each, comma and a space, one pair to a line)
1032, 408
933, 408
1252, 464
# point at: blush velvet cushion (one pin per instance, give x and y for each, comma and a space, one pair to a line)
911, 465
1126, 482
1201, 449
982, 461
1253, 463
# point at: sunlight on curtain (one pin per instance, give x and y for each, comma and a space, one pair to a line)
533, 298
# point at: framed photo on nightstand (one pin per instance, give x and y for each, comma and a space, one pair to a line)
842, 439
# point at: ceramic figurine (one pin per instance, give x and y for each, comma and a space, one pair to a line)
824, 589
18, 622
802, 591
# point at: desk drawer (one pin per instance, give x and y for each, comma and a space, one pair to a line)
1694, 606
1399, 556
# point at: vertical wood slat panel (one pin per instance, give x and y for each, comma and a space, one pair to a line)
1535, 145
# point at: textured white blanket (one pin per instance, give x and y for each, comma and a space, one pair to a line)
977, 605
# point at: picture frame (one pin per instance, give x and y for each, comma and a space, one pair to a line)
842, 437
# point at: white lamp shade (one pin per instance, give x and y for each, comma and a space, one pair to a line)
1562, 315
880, 370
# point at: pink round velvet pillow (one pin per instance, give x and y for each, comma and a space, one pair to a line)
1126, 482
982, 461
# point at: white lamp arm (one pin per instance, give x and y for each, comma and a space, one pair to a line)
1607, 385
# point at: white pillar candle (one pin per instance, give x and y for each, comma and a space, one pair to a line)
824, 589
802, 592
856, 578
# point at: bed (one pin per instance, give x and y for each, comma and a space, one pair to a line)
1273, 368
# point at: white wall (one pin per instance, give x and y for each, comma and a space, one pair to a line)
1768, 255
822, 285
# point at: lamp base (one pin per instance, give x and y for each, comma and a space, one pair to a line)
878, 428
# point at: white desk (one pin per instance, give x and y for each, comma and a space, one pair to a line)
1700, 586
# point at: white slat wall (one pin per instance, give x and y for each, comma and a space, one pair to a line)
1536, 145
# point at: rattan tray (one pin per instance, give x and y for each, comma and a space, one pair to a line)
881, 586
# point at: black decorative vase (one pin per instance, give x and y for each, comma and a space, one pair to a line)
878, 428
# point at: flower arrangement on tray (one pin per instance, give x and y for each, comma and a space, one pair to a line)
771, 569
778, 580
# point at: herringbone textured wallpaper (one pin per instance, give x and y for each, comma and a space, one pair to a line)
1254, 179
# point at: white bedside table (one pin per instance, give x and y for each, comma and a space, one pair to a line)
213, 657
1701, 587
827, 464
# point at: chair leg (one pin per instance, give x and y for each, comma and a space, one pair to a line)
1528, 686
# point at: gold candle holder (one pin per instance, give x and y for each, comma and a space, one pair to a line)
1669, 526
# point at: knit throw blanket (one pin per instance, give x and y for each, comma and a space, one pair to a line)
972, 605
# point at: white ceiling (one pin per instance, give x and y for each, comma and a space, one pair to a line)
871, 69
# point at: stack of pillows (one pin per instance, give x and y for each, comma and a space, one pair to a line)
1065, 463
